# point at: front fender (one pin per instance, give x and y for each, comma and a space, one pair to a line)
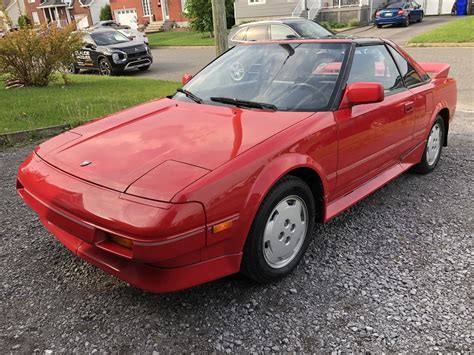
271, 174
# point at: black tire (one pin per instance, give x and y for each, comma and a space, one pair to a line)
105, 68
407, 22
420, 19
145, 68
73, 69
424, 166
379, 26
254, 264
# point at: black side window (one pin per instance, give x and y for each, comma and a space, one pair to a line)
257, 33
375, 64
410, 75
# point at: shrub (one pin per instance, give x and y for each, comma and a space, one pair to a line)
34, 56
105, 13
354, 23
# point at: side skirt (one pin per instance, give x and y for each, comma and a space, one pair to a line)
406, 162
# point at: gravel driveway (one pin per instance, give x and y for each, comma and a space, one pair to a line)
390, 274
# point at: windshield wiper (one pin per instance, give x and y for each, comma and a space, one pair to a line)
244, 103
190, 95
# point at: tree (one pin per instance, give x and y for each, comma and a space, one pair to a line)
105, 13
200, 14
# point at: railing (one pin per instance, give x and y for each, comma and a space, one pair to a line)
299, 8
314, 9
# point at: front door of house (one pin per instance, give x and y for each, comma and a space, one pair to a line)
164, 8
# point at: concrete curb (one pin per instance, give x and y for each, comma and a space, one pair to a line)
8, 139
181, 47
458, 45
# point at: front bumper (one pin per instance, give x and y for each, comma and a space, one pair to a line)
83, 217
133, 63
390, 20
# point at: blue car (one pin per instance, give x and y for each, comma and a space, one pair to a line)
401, 13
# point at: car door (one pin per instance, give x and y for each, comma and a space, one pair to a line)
417, 10
422, 94
410, 13
373, 136
86, 56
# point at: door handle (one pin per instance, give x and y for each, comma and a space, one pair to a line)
409, 106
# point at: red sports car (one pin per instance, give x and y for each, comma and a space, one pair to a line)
232, 172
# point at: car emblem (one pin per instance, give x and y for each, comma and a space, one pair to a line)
86, 162
137, 49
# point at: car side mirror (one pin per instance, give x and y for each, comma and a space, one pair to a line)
90, 46
186, 78
363, 93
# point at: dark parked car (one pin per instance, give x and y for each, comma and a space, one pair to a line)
288, 28
111, 52
401, 13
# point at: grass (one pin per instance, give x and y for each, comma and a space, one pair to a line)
88, 97
459, 31
180, 39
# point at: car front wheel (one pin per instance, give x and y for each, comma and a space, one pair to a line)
433, 148
104, 67
73, 69
281, 231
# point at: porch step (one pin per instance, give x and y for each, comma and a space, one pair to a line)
155, 26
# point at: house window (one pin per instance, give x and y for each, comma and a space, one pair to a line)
256, 2
146, 8
35, 16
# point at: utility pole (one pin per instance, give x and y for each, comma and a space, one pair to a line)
220, 25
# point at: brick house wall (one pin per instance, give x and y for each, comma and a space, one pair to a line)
174, 9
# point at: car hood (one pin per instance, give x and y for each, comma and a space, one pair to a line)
166, 141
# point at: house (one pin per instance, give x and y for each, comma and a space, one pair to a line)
12, 10
84, 13
324, 10
156, 13
321, 10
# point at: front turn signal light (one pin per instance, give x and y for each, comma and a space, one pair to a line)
126, 243
222, 226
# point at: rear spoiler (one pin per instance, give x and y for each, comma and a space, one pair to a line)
436, 70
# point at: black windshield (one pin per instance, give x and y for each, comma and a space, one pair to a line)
287, 77
105, 38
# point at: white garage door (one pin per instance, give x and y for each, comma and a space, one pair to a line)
447, 6
433, 7
127, 17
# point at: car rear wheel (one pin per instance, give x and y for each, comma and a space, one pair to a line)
280, 232
421, 18
104, 67
433, 148
407, 22
379, 26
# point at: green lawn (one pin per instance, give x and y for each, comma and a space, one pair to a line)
459, 31
180, 39
88, 97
